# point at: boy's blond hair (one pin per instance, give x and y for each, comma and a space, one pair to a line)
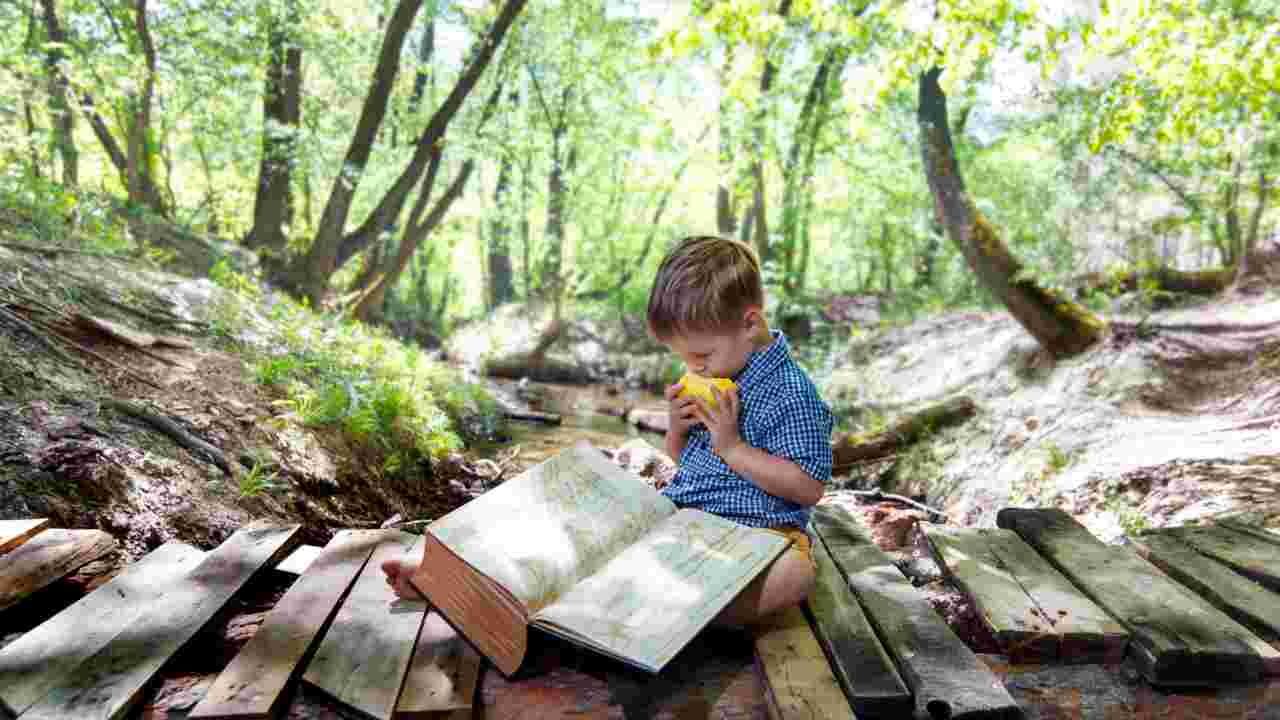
705, 284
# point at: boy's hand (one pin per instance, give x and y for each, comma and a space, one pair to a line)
721, 420
681, 411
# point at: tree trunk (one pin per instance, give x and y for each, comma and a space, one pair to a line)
413, 236
726, 214
849, 450
417, 229
64, 119
1247, 265
1060, 326
501, 289
310, 275
799, 167
759, 230
142, 184
281, 116
392, 203
562, 160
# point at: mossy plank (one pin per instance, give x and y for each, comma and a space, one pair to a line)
253, 685
863, 667
1249, 603
1251, 556
48, 654
107, 685
947, 679
363, 658
1178, 639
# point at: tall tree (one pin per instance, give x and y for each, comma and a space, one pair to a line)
1061, 326
309, 275
331, 248
281, 117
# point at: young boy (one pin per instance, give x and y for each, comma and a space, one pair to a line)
759, 455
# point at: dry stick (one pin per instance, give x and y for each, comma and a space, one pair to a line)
173, 430
878, 495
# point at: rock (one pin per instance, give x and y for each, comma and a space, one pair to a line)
649, 419
640, 457
306, 460
892, 526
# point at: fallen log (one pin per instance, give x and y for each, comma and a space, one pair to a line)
851, 449
532, 416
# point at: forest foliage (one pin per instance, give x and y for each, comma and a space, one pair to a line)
420, 161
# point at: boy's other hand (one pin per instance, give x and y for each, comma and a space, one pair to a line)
681, 411
721, 419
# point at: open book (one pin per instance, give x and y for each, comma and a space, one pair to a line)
581, 548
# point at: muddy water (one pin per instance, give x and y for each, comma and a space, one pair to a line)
590, 412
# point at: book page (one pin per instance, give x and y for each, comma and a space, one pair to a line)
542, 531
649, 601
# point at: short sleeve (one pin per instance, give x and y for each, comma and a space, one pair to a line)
800, 431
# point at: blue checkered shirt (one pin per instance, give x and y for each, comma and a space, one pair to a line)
781, 413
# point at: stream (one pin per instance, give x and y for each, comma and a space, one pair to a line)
594, 413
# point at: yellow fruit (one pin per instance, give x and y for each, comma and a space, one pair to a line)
699, 386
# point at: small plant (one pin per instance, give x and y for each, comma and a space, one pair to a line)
223, 275
1058, 458
275, 370
258, 480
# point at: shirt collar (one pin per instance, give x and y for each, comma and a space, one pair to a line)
764, 361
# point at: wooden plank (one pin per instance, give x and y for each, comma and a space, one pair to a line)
254, 684
1246, 601
1253, 557
1268, 534
1088, 634
108, 684
1178, 639
301, 559
799, 684
1018, 624
15, 532
49, 556
948, 680
860, 663
443, 674
48, 654
363, 658
1033, 610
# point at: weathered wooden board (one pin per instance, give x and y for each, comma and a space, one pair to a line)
1178, 639
1020, 627
364, 656
1246, 601
15, 532
799, 684
49, 556
948, 680
1088, 634
254, 684
299, 560
48, 654
108, 684
1268, 534
1034, 612
860, 663
1251, 556
442, 675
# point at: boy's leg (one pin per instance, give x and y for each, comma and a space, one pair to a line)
785, 583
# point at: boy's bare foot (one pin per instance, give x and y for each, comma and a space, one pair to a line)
398, 571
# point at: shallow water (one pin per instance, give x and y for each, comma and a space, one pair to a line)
588, 412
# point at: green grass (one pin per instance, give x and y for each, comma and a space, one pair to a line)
330, 371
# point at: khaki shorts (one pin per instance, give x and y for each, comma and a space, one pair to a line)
799, 542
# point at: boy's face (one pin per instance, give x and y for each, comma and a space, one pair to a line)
719, 354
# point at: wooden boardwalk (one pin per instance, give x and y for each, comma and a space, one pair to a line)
1187, 606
